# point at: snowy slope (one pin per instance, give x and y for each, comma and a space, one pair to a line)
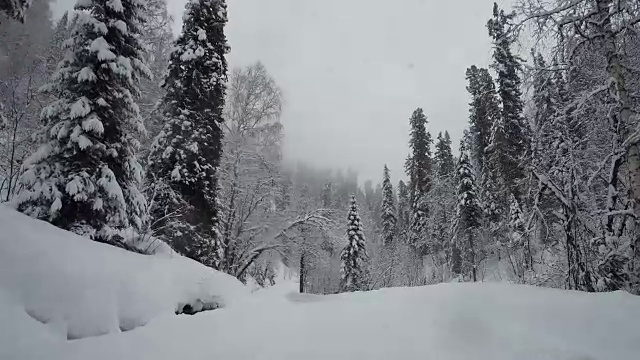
90, 288
82, 288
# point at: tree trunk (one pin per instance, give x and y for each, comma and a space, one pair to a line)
302, 272
621, 119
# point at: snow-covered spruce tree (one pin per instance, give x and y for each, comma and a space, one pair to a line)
404, 209
443, 157
85, 175
467, 220
354, 255
509, 141
388, 214
186, 154
442, 205
483, 110
419, 169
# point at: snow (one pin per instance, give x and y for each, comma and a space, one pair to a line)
101, 46
121, 26
83, 288
80, 287
80, 108
450, 321
93, 124
202, 35
115, 5
86, 74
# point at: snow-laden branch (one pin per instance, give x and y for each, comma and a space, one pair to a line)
544, 180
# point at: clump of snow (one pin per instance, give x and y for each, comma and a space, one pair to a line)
84, 288
202, 35
101, 46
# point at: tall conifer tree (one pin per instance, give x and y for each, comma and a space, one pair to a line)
419, 168
509, 140
354, 255
483, 111
467, 220
85, 175
186, 155
388, 213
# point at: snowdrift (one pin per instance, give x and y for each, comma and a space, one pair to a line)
443, 322
81, 288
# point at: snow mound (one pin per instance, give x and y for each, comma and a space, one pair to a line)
444, 322
83, 288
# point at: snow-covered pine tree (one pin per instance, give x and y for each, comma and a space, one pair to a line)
186, 154
85, 176
404, 209
388, 213
443, 157
354, 255
15, 8
441, 203
420, 171
467, 221
509, 140
483, 110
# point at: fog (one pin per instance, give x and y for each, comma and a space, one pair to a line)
353, 71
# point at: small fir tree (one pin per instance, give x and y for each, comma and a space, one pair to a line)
353, 257
388, 213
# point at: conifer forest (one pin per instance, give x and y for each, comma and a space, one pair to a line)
118, 128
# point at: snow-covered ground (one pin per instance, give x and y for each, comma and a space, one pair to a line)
80, 288
64, 277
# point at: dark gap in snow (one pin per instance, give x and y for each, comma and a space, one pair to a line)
198, 306
119, 241
36, 317
71, 336
127, 325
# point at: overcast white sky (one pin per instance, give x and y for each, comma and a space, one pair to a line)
353, 71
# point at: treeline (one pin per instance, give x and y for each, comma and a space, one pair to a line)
546, 186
